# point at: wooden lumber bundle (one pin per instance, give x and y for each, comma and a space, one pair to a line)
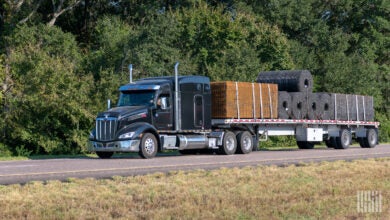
244, 100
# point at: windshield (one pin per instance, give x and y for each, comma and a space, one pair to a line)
137, 98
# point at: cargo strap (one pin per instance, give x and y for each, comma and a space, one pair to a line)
261, 102
335, 106
254, 101
357, 108
364, 110
346, 97
270, 100
237, 102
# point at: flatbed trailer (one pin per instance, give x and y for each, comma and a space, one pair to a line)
335, 133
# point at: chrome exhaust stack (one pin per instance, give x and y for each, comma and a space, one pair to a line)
177, 99
131, 72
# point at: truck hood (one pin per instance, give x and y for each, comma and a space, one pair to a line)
122, 112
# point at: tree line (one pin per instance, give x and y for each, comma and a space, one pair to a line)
61, 59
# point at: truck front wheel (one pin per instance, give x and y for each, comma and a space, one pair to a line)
149, 146
229, 144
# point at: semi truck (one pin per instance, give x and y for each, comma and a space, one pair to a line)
175, 113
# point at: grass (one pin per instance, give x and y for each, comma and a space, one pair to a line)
42, 157
326, 190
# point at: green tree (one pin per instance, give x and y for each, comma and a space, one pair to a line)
48, 110
107, 60
231, 46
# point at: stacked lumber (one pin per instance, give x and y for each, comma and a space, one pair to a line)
244, 100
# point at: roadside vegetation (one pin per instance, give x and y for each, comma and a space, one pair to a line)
326, 190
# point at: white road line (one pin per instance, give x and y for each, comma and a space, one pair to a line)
17, 166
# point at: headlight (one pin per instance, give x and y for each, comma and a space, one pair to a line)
126, 135
91, 136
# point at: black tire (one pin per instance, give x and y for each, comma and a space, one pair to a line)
245, 142
344, 139
148, 146
305, 145
229, 144
331, 143
370, 140
104, 155
361, 142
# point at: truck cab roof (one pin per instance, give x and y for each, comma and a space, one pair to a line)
155, 83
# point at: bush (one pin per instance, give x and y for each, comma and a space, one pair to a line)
5, 151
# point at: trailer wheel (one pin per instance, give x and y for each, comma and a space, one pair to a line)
305, 145
229, 144
370, 140
344, 140
331, 143
245, 142
104, 155
149, 146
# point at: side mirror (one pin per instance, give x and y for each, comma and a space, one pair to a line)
164, 103
108, 104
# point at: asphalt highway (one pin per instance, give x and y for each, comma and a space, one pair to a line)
19, 172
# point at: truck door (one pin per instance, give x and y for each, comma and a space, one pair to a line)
163, 113
198, 111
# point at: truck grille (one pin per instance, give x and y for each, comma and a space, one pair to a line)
106, 128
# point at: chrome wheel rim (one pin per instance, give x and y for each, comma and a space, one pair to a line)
230, 143
372, 138
247, 143
149, 145
346, 139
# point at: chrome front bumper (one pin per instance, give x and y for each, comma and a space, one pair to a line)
116, 146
